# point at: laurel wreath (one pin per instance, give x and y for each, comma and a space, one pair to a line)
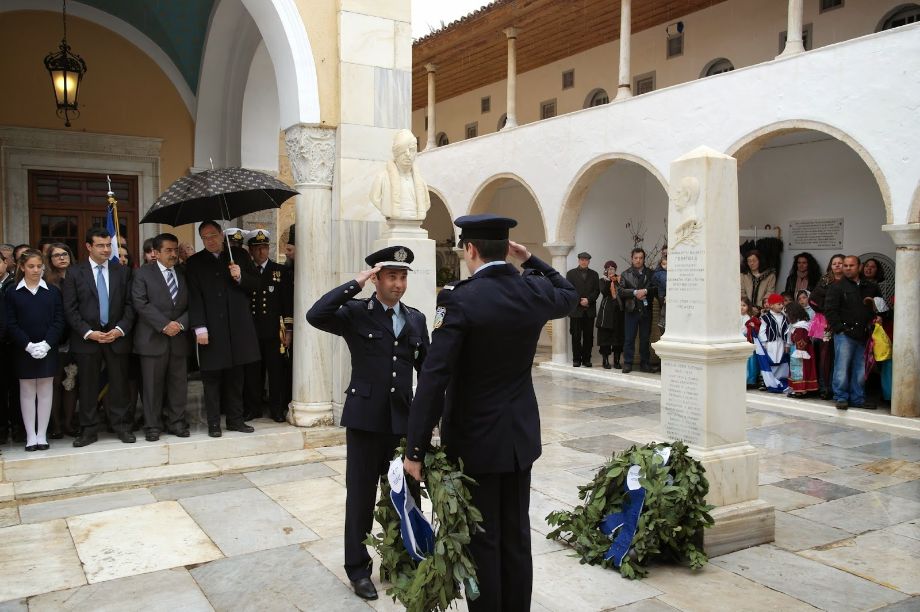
435, 582
673, 517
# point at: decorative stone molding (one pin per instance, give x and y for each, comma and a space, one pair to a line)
59, 140
311, 151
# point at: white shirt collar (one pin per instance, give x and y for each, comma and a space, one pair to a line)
95, 266
162, 267
41, 283
497, 262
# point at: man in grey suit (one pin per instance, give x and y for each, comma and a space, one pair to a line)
160, 298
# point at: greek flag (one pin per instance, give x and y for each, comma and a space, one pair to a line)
416, 531
110, 227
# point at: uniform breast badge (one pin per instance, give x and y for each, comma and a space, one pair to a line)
439, 316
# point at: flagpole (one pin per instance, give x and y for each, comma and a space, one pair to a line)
114, 204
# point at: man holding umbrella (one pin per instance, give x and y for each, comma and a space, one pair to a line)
219, 285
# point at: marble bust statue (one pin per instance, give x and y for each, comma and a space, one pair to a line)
399, 192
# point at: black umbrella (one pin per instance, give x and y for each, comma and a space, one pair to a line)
224, 193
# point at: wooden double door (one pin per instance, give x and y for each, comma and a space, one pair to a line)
64, 205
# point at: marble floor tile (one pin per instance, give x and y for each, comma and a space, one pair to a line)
318, 503
757, 418
785, 499
558, 485
712, 589
290, 473
540, 507
37, 559
9, 516
818, 488
810, 429
653, 604
87, 504
561, 456
204, 486
338, 465
795, 533
15, 605
789, 466
906, 449
281, 579
620, 410
861, 513
333, 452
910, 529
163, 591
777, 442
883, 557
129, 541
839, 457
908, 490
560, 582
539, 545
857, 477
806, 580
603, 445
245, 521
907, 605
904, 470
850, 439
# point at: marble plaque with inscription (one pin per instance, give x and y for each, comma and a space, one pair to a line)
683, 402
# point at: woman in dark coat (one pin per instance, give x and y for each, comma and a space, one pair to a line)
35, 322
610, 317
58, 259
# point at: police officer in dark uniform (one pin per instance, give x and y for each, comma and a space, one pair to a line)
485, 335
386, 339
272, 307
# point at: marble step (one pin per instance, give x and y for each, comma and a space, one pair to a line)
111, 464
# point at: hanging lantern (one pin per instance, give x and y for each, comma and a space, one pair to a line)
66, 70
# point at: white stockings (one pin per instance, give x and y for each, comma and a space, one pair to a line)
35, 399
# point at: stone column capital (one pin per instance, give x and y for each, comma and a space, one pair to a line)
429, 67
904, 235
511, 32
558, 249
311, 151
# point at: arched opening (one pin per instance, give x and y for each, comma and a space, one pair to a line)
596, 97
900, 15
440, 228
829, 200
442, 139
717, 66
261, 121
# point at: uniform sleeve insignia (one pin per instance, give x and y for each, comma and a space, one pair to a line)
271, 288
439, 316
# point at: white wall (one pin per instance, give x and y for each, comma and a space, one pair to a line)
625, 192
261, 121
814, 180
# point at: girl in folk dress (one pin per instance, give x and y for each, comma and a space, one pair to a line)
803, 375
35, 322
750, 326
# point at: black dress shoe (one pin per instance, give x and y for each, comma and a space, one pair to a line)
586, 364
576, 364
214, 431
42, 446
84, 440
242, 427
278, 419
180, 433
55, 435
152, 436
627, 369
364, 588
127, 437
648, 369
31, 447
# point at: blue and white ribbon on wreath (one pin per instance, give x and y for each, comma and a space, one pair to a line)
417, 534
621, 526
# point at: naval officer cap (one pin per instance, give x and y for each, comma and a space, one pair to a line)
484, 227
391, 257
258, 236
235, 234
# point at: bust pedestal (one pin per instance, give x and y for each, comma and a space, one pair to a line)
420, 290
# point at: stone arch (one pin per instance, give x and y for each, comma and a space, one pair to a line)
894, 11
748, 145
584, 179
123, 29
485, 193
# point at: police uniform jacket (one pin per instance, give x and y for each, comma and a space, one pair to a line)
486, 333
274, 298
218, 302
380, 391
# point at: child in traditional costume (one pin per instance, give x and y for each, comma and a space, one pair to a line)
803, 375
750, 325
772, 346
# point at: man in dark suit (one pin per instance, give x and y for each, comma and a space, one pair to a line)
218, 312
387, 339
160, 298
485, 335
272, 305
637, 292
97, 306
581, 320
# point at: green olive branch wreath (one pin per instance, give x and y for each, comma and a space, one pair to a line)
435, 582
673, 517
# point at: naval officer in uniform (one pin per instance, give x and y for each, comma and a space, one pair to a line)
387, 339
272, 307
485, 335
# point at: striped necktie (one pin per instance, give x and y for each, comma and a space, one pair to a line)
171, 283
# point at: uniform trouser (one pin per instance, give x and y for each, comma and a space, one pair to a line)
89, 366
164, 374
582, 330
504, 566
272, 366
641, 323
368, 458
226, 383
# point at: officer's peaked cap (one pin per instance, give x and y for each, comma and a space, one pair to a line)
484, 227
391, 257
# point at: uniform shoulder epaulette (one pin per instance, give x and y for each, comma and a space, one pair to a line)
532, 272
454, 284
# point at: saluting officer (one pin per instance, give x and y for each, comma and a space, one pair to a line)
485, 335
387, 339
272, 305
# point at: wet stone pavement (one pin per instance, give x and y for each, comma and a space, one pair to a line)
847, 527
